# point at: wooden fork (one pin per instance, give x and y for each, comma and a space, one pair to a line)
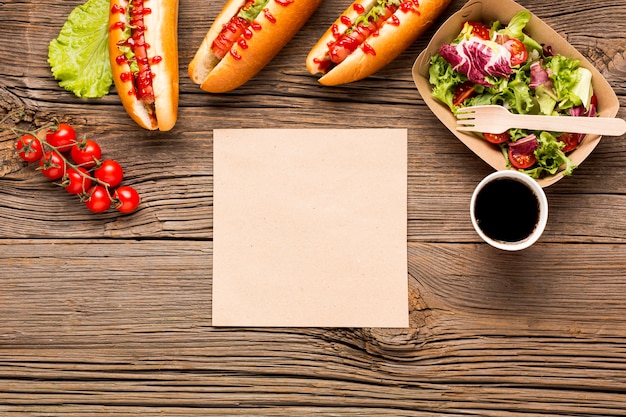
497, 119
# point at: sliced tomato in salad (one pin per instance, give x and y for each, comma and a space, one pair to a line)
571, 141
518, 51
463, 92
521, 153
497, 138
521, 160
479, 30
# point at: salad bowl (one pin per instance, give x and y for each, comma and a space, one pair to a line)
503, 11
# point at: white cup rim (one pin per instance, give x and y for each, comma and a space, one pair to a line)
543, 210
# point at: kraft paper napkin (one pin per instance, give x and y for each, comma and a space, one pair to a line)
310, 228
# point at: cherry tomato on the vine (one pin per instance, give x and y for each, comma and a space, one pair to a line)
62, 138
98, 199
126, 199
76, 181
109, 172
86, 153
52, 165
497, 138
29, 148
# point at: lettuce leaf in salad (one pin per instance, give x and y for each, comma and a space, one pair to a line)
572, 83
518, 94
515, 29
79, 57
444, 79
550, 157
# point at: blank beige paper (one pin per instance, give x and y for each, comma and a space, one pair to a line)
310, 228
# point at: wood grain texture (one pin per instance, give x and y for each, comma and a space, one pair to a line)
106, 315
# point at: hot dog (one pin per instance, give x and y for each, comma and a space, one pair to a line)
244, 38
368, 36
143, 48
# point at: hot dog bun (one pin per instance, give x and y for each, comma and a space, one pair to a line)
161, 39
409, 21
270, 31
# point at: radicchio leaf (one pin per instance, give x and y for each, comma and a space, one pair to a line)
579, 111
525, 145
477, 59
538, 75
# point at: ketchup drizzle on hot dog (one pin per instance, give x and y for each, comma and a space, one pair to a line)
141, 79
117, 25
238, 27
347, 42
410, 6
235, 27
235, 54
126, 76
269, 16
367, 48
116, 8
359, 8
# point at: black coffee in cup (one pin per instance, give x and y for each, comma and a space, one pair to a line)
507, 210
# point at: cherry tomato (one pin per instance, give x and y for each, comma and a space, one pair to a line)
109, 172
98, 199
518, 51
29, 148
571, 140
126, 199
521, 160
497, 138
479, 30
86, 153
77, 181
62, 138
462, 93
52, 165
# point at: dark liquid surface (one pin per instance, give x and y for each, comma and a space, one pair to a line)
507, 210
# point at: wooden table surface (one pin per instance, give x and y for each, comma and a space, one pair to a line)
108, 315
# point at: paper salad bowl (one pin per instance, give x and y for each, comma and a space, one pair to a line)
504, 10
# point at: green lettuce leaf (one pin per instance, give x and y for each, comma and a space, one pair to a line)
79, 57
375, 12
250, 13
572, 83
516, 27
444, 79
550, 157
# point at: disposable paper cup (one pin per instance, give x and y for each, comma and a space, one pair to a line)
509, 210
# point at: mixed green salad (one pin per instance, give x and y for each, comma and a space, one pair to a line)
503, 65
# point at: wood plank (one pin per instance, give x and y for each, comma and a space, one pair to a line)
105, 315
489, 333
